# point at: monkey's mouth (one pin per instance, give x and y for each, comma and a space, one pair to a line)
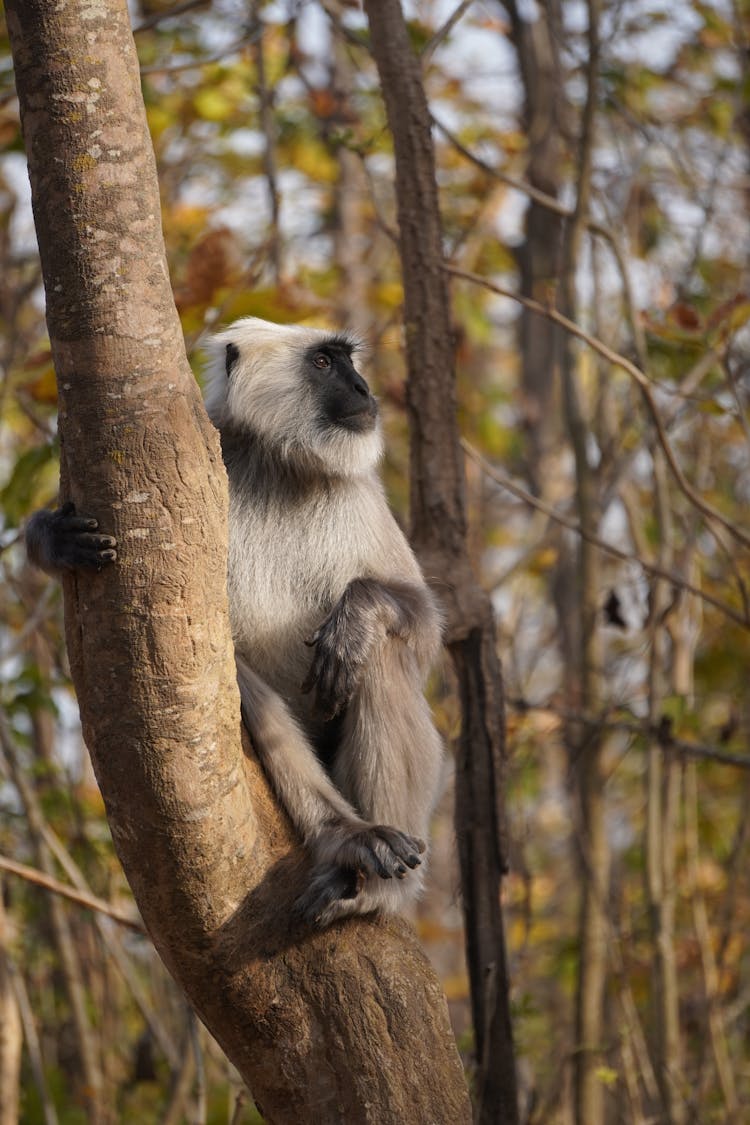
361, 420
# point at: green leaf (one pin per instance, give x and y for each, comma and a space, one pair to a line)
17, 497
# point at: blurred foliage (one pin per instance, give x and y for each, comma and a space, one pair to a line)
288, 214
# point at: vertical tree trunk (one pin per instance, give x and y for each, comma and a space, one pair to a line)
321, 1027
438, 520
586, 746
537, 46
11, 1039
663, 783
548, 261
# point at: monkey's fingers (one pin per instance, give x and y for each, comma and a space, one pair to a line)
334, 681
71, 523
407, 848
364, 851
90, 550
319, 905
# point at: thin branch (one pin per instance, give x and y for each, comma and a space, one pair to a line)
115, 951
642, 728
159, 17
571, 524
443, 32
203, 60
91, 902
635, 373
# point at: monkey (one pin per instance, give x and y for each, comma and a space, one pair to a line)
334, 626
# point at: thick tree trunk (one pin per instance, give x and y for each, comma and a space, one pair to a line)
322, 1028
438, 520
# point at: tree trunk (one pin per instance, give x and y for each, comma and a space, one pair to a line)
321, 1027
11, 1039
538, 43
438, 520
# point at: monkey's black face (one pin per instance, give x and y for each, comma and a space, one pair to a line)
343, 394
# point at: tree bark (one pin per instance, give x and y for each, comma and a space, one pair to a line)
438, 533
321, 1027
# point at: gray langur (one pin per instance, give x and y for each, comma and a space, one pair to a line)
333, 625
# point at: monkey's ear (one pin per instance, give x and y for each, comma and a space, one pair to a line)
232, 355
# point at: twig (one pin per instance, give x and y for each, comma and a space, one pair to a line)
443, 32
239, 1105
116, 952
268, 128
159, 17
91, 902
635, 373
203, 60
200, 1067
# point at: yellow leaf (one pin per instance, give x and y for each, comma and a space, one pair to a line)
212, 105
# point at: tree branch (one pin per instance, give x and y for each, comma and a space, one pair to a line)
81, 898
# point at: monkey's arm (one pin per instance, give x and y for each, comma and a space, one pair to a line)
368, 611
62, 540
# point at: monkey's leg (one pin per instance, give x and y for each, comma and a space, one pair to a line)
389, 763
62, 540
346, 849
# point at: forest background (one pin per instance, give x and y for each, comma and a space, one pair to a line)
592, 158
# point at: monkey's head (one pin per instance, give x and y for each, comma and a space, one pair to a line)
295, 389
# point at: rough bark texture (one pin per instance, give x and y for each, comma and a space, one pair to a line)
325, 1028
438, 519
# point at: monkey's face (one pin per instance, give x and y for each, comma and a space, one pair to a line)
298, 391
342, 394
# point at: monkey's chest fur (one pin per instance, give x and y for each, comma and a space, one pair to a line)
290, 559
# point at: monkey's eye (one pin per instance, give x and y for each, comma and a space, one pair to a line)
321, 361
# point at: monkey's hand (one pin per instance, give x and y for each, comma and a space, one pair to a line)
343, 643
346, 854
63, 540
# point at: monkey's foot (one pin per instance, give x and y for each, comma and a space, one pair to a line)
346, 856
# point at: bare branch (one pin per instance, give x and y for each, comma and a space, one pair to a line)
443, 32
82, 898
